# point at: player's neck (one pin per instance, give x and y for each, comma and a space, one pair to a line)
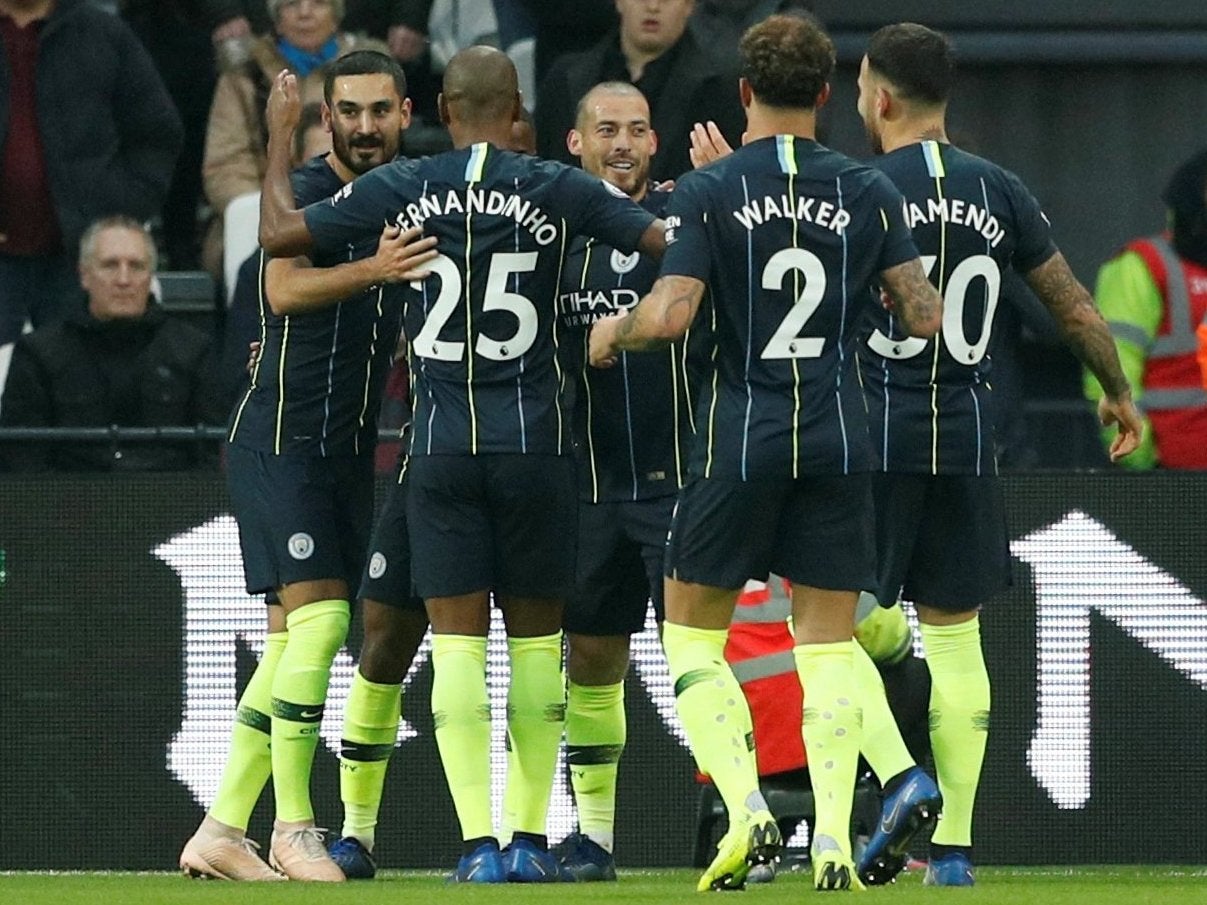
464, 135
339, 168
764, 122
911, 131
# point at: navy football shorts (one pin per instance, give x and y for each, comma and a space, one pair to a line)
621, 551
301, 518
387, 576
500, 522
941, 539
816, 530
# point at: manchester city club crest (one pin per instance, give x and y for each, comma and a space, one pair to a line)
622, 263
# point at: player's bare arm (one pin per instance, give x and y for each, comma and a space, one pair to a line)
1088, 336
915, 299
659, 319
653, 240
283, 231
294, 286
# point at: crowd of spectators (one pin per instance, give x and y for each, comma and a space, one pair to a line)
154, 110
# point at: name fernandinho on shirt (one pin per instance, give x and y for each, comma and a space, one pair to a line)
481, 201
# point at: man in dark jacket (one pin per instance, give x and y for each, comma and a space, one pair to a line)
652, 49
86, 130
122, 362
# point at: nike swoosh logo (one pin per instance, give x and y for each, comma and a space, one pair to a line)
888, 822
308, 715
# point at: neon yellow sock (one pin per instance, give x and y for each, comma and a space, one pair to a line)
536, 715
595, 735
299, 694
461, 712
714, 714
882, 743
832, 737
249, 763
371, 719
959, 721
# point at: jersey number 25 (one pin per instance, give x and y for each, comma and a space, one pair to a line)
427, 343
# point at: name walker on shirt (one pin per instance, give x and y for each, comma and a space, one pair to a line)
811, 210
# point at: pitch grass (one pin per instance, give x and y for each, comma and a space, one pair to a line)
1117, 885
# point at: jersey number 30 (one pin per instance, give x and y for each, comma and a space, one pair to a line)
427, 342
955, 297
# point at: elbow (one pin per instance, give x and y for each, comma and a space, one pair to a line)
270, 241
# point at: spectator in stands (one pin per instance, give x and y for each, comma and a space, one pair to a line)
570, 26
654, 50
400, 23
1154, 296
121, 362
305, 39
86, 130
174, 34
720, 24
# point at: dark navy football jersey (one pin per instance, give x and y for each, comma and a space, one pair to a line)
632, 422
930, 401
483, 328
318, 384
789, 236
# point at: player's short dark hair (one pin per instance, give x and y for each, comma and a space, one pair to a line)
916, 59
626, 89
365, 62
787, 60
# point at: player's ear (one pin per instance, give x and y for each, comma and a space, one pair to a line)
884, 101
405, 107
574, 142
745, 92
442, 108
823, 96
653, 142
325, 113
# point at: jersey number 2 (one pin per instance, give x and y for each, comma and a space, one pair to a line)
427, 343
787, 342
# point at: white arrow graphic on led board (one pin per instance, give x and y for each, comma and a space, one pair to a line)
1080, 566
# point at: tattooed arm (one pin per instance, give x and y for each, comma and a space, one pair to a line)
659, 319
1081, 326
1087, 335
915, 300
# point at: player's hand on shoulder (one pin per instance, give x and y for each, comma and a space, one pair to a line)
284, 107
708, 144
401, 254
602, 350
1122, 412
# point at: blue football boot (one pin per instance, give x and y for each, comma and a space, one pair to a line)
483, 865
950, 870
352, 858
585, 859
524, 862
910, 811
